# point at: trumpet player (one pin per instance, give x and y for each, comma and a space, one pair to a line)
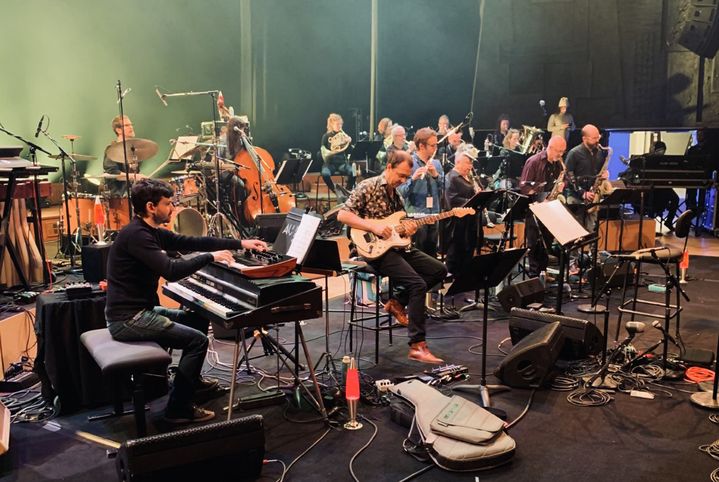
461, 187
334, 153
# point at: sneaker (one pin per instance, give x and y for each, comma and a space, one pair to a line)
192, 414
394, 308
420, 352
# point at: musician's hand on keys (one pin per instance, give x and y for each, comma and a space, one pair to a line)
605, 174
384, 232
432, 170
223, 256
254, 244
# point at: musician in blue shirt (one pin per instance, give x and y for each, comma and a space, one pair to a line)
421, 192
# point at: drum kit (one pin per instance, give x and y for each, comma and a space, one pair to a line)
78, 209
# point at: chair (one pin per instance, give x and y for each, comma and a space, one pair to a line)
385, 325
663, 256
121, 360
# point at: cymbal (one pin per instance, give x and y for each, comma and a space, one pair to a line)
77, 157
185, 172
137, 150
71, 137
103, 175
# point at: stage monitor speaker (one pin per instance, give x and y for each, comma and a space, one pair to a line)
521, 294
532, 359
581, 338
94, 262
221, 451
698, 26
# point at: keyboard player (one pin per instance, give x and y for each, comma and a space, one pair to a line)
138, 258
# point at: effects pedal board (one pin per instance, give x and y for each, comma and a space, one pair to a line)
75, 291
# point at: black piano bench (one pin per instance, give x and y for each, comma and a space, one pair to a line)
121, 360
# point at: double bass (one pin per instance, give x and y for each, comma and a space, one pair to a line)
264, 195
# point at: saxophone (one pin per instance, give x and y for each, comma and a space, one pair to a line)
599, 187
556, 193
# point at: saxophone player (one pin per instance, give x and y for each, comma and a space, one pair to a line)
334, 153
461, 187
538, 180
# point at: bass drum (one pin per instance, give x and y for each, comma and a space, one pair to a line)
187, 221
86, 205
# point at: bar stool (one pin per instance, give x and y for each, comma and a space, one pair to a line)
368, 272
663, 256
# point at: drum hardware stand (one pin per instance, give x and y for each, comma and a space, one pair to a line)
66, 187
120, 102
213, 100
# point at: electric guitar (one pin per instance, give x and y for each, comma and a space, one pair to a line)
370, 246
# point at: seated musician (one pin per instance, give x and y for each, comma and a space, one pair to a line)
538, 176
374, 199
661, 199
334, 153
584, 162
384, 129
138, 258
421, 190
399, 142
118, 186
443, 125
501, 131
454, 141
461, 231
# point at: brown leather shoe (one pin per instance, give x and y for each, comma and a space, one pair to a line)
394, 308
420, 352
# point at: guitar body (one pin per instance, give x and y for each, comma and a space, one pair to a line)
370, 246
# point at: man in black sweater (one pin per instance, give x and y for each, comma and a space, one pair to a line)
138, 258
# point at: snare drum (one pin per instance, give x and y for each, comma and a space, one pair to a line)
187, 221
86, 204
185, 186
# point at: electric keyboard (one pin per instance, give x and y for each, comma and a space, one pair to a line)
263, 264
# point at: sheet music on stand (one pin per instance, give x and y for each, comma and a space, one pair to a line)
559, 221
297, 234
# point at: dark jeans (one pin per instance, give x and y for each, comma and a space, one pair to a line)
170, 328
415, 271
425, 239
537, 237
338, 168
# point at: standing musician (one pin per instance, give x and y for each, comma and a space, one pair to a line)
118, 186
538, 176
421, 191
461, 187
137, 259
376, 198
584, 162
334, 146
561, 122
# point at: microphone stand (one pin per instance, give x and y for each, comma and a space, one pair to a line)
213, 99
120, 102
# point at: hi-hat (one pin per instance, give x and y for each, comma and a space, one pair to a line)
137, 150
77, 157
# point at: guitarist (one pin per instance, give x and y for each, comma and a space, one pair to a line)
376, 198
583, 165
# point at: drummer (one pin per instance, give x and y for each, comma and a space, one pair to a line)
118, 187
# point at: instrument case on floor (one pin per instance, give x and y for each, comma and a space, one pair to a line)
458, 435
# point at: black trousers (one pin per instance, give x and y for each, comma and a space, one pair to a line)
416, 272
537, 237
461, 241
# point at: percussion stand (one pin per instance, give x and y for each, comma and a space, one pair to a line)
120, 102
64, 155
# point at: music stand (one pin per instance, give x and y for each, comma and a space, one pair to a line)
482, 273
479, 201
618, 197
292, 171
366, 150
570, 235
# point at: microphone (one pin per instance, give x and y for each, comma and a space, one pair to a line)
161, 96
624, 160
543, 104
39, 126
656, 324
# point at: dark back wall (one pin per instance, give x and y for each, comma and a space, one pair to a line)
302, 59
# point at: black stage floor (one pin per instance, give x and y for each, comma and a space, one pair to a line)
629, 439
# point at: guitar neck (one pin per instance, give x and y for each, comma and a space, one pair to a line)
432, 219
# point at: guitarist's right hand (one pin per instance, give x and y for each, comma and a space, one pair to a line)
384, 232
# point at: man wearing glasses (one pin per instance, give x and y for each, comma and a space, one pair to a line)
376, 198
117, 186
421, 192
